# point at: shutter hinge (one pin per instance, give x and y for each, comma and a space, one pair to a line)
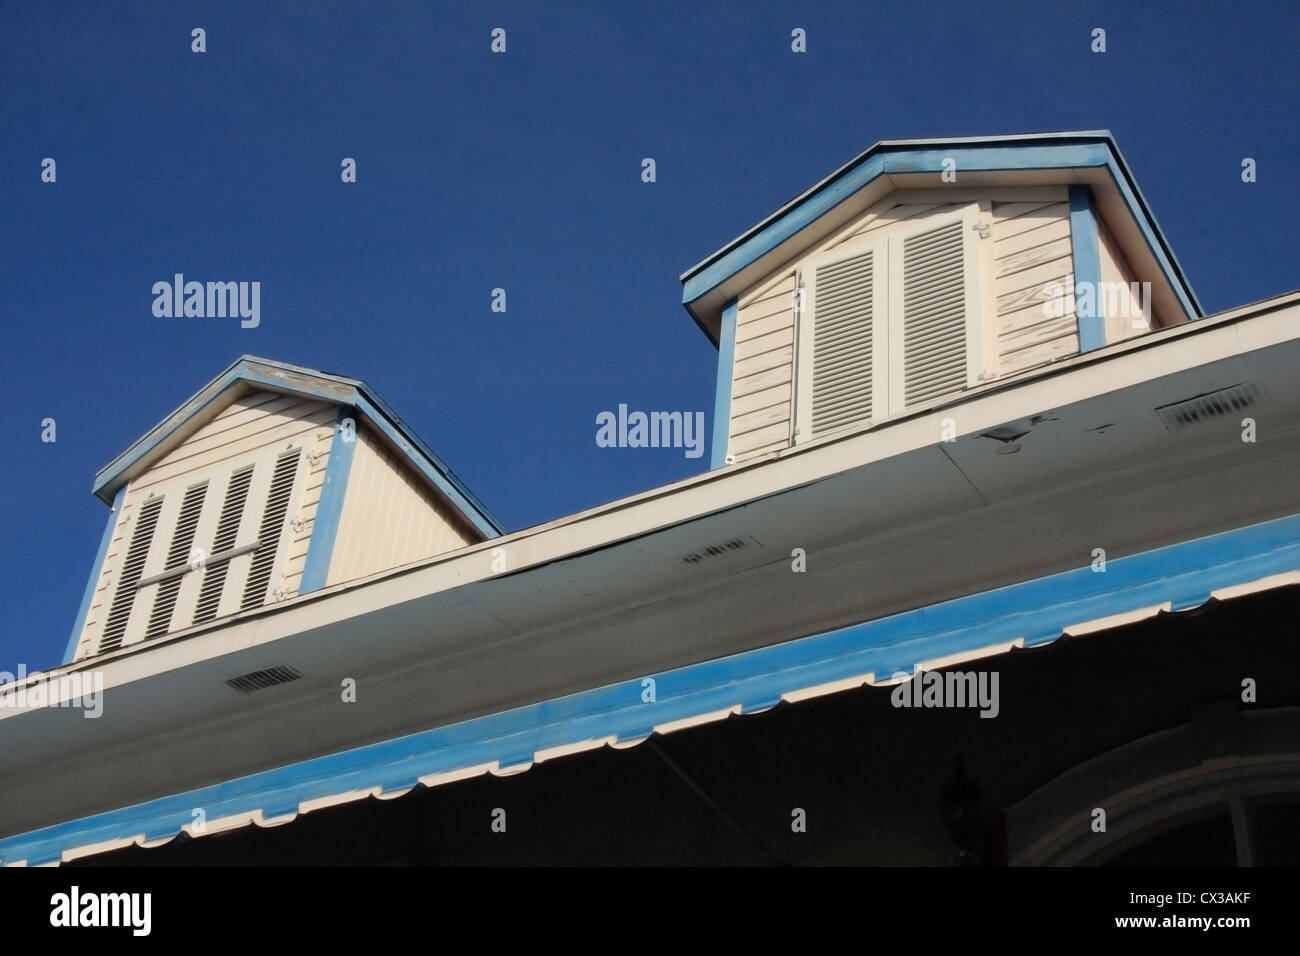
986, 376
798, 300
983, 229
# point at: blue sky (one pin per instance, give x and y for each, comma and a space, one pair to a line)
520, 171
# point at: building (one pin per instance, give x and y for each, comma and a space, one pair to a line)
995, 562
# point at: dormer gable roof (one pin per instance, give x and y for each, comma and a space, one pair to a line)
1089, 157
251, 373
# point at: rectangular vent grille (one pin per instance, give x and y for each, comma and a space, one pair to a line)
260, 680
934, 314
716, 550
842, 343
1211, 406
132, 570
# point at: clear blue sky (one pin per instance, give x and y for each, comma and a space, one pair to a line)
521, 171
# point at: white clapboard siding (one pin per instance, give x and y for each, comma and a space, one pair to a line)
389, 518
1033, 270
254, 422
761, 372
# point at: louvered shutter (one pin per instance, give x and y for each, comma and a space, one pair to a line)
843, 341
224, 539
894, 321
137, 552
271, 530
178, 556
934, 313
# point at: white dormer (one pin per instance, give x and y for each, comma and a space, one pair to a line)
920, 272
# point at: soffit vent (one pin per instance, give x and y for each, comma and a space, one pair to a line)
720, 549
1211, 406
260, 680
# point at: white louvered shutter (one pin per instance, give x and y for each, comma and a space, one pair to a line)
137, 552
178, 556
935, 314
243, 514
216, 569
894, 321
271, 531
843, 341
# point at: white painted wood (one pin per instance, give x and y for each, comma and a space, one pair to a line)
1041, 353
1032, 195
778, 395
1005, 228
205, 450
780, 283
742, 445
1034, 256
1049, 231
1003, 211
1043, 331
1037, 313
782, 304
760, 418
985, 293
771, 378
772, 323
1029, 227
1032, 285
764, 343
761, 363
389, 518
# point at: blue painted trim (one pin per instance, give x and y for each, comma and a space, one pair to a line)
766, 237
95, 570
1036, 611
1155, 238
320, 549
428, 464
1065, 151
722, 390
1086, 246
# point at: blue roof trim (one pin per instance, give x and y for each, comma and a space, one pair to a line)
325, 387
1156, 240
1031, 151
95, 569
1037, 611
1085, 243
320, 547
722, 389
430, 465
